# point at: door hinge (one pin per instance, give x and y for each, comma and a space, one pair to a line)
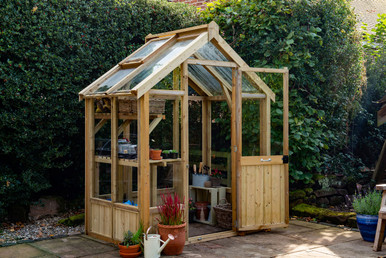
235, 148
285, 159
236, 224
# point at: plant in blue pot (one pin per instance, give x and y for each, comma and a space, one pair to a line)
367, 207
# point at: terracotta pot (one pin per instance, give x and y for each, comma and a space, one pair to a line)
176, 246
202, 207
130, 251
155, 154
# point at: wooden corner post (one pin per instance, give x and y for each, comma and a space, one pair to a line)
285, 139
89, 158
185, 139
236, 139
143, 160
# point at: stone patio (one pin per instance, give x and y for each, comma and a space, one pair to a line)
300, 239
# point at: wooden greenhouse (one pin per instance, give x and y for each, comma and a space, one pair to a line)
123, 190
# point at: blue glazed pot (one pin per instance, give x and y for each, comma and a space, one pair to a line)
367, 225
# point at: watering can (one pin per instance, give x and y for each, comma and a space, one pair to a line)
152, 244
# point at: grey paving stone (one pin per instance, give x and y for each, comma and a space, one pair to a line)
23, 250
74, 246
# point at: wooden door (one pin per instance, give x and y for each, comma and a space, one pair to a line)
263, 193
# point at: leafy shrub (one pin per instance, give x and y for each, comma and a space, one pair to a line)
367, 138
368, 204
317, 41
49, 51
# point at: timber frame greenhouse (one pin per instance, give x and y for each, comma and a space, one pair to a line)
123, 109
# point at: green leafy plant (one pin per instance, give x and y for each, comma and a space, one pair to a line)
368, 204
173, 151
171, 210
166, 151
216, 173
318, 42
133, 239
49, 51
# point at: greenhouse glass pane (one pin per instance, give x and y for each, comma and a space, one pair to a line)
210, 52
114, 79
157, 64
148, 49
206, 79
247, 87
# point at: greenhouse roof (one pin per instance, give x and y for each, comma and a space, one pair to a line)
210, 60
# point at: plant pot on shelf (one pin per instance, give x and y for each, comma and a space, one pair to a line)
174, 155
176, 246
202, 212
191, 214
129, 251
215, 181
155, 154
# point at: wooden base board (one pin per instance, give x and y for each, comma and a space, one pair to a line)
210, 237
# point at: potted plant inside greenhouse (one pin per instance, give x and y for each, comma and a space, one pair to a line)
172, 222
367, 207
131, 245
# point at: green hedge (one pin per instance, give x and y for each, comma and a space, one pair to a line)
49, 51
318, 42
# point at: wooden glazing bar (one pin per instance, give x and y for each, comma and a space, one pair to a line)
89, 160
100, 125
176, 112
265, 127
286, 141
143, 159
114, 150
263, 70
185, 138
211, 63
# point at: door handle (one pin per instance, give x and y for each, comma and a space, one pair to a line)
265, 160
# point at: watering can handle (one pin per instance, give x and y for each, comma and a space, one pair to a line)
147, 232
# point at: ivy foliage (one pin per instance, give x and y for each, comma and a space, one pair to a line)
49, 51
318, 42
367, 137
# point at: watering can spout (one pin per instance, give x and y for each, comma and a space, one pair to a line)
170, 237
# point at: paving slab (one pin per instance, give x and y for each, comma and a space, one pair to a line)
292, 229
23, 250
327, 236
308, 224
74, 246
308, 253
357, 248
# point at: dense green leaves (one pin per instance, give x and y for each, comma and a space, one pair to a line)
49, 51
317, 41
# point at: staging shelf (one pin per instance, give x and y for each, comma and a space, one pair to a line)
134, 162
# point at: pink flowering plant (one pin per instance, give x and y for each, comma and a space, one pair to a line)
216, 173
171, 210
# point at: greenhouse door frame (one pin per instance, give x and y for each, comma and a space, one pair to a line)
260, 191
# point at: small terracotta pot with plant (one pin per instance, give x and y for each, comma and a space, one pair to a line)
172, 222
132, 244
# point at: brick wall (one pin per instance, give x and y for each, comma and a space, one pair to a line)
197, 3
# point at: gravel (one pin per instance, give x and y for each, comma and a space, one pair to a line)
42, 229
